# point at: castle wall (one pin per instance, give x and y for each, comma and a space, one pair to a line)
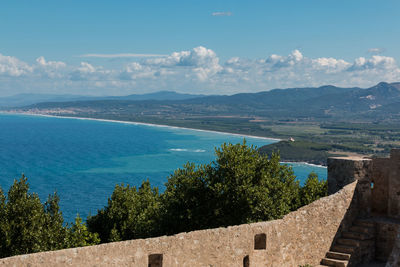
378, 194
386, 190
380, 191
386, 235
394, 259
394, 185
345, 170
301, 237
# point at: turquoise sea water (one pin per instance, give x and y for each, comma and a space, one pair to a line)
84, 159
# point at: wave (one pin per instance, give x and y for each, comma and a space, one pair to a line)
299, 163
187, 150
178, 149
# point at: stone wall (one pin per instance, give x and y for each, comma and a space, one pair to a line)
394, 184
301, 237
380, 174
378, 182
386, 234
394, 259
345, 170
378, 194
386, 190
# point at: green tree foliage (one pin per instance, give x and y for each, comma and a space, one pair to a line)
313, 189
249, 187
79, 236
130, 213
240, 186
187, 202
27, 225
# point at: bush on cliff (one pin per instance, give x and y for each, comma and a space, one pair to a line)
27, 225
240, 186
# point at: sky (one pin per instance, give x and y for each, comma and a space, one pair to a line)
209, 47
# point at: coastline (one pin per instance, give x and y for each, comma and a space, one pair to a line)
141, 123
305, 163
163, 126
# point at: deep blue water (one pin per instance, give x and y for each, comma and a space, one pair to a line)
84, 159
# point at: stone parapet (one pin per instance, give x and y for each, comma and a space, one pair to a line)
345, 170
385, 177
301, 237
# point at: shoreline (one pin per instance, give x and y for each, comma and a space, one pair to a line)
305, 163
142, 123
164, 126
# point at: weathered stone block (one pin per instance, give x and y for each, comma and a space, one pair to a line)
345, 170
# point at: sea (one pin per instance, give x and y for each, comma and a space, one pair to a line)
82, 159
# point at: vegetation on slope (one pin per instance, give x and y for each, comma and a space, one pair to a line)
300, 151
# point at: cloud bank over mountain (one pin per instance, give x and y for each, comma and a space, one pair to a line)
198, 70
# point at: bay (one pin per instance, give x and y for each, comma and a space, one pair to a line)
82, 160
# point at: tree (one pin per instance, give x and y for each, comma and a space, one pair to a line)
54, 232
27, 225
3, 226
79, 235
240, 186
250, 187
187, 202
313, 189
130, 213
24, 221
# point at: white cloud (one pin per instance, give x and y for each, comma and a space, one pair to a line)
198, 70
330, 65
135, 70
12, 66
375, 62
198, 56
50, 69
199, 62
87, 71
276, 61
222, 14
86, 68
41, 61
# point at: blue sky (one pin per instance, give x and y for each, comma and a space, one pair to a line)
219, 46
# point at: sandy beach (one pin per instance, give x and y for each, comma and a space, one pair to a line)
143, 123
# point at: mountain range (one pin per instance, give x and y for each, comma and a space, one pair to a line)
378, 103
29, 99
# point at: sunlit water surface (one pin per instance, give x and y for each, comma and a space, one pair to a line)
84, 159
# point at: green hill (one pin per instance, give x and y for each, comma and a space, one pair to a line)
300, 151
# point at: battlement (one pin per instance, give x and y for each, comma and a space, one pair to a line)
378, 182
